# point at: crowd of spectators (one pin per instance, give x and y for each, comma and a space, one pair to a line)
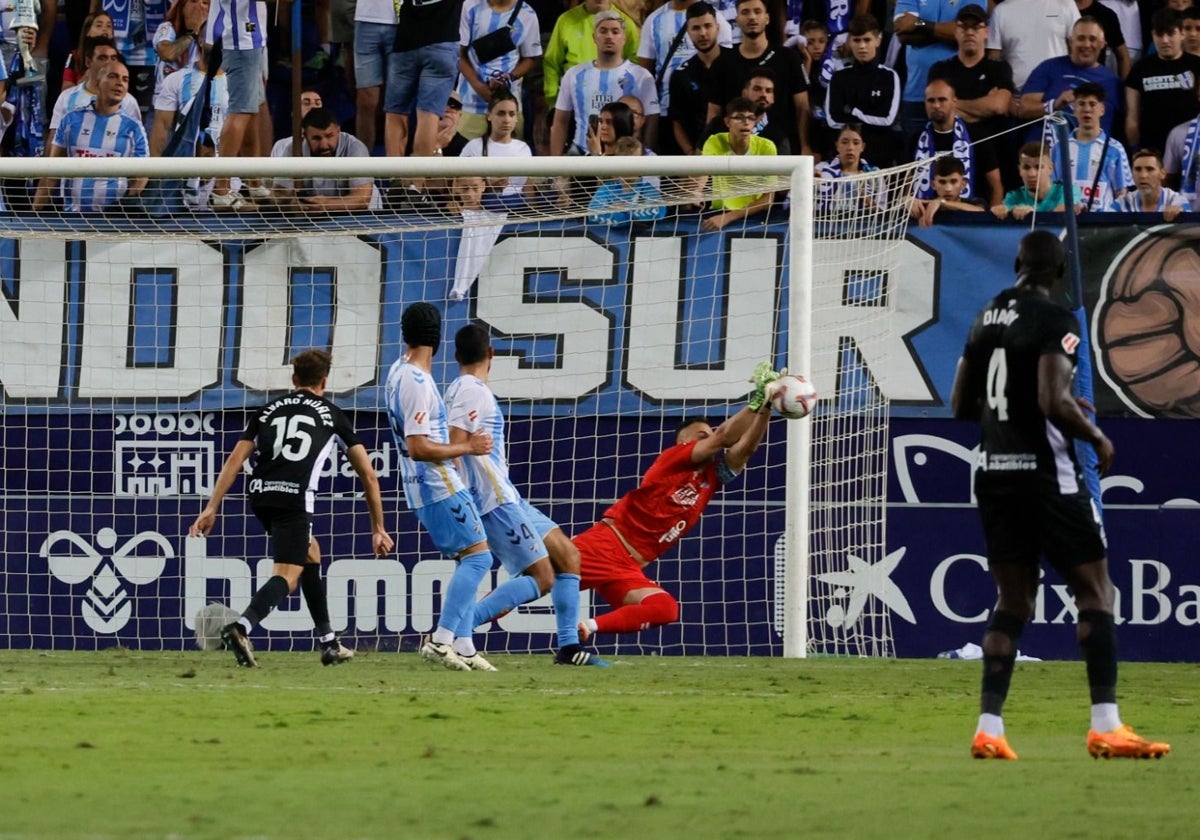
860, 84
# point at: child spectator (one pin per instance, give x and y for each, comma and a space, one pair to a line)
1150, 196
868, 92
739, 139
623, 201
1037, 193
98, 25
836, 194
499, 140
949, 183
1099, 166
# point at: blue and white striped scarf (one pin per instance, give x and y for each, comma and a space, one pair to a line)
961, 149
1191, 161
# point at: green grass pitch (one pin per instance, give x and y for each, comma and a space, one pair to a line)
126, 744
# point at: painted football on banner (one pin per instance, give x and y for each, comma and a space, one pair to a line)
793, 397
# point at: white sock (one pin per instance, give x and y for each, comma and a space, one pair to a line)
443, 636
991, 725
590, 624
464, 646
327, 638
1105, 717
246, 625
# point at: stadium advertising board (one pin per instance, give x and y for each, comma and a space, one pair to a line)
101, 473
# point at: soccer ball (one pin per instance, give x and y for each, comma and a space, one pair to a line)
793, 397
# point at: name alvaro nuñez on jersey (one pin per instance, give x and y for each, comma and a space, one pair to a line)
317, 405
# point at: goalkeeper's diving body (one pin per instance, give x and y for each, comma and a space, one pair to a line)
648, 520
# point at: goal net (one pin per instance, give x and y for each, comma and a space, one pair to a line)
137, 338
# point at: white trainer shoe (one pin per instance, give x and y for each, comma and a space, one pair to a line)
432, 651
476, 662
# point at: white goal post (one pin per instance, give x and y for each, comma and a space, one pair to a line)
133, 341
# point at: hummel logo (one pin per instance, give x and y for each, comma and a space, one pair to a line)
512, 537
459, 516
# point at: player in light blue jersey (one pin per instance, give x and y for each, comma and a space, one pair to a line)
432, 485
537, 555
100, 130
587, 87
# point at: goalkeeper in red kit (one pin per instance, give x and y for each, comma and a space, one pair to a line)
647, 521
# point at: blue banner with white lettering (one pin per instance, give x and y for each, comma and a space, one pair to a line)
101, 473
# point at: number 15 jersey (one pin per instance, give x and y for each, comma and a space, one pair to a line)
294, 436
1020, 448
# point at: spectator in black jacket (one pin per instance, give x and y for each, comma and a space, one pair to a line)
867, 92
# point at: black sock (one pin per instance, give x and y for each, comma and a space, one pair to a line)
313, 588
1004, 629
266, 599
1098, 642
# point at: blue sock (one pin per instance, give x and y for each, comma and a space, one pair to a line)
512, 593
565, 597
459, 600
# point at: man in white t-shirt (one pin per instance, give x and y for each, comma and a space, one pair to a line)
587, 87
1027, 32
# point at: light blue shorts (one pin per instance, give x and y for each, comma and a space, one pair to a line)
513, 538
540, 522
453, 524
372, 46
244, 80
423, 77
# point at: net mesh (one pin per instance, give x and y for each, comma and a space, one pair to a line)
136, 342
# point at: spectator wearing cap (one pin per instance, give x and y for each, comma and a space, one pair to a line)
926, 28
984, 86
1161, 89
573, 42
450, 142
586, 87
1027, 32
1050, 88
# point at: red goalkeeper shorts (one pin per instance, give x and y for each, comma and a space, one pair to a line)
606, 566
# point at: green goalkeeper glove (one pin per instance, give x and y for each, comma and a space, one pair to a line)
763, 376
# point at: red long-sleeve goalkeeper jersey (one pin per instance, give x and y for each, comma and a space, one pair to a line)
665, 506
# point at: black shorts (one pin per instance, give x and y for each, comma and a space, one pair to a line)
1024, 527
291, 532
